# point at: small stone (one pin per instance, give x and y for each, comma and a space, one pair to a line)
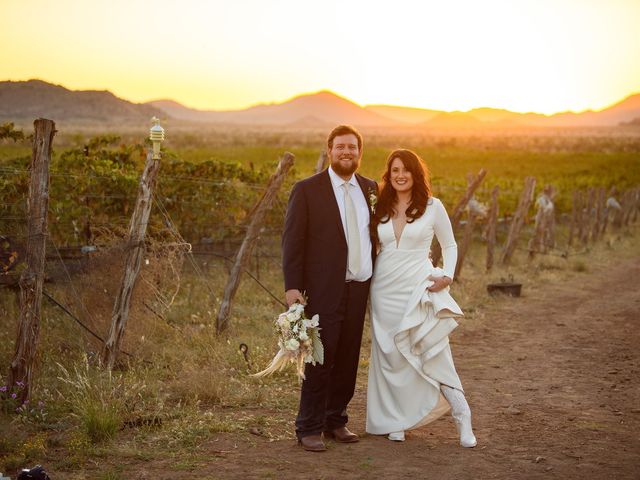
540, 459
513, 411
548, 469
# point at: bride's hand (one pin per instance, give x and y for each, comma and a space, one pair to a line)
439, 283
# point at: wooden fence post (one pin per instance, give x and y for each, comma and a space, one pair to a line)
549, 239
602, 200
535, 244
491, 227
636, 206
628, 206
251, 238
436, 250
135, 251
596, 215
586, 216
544, 232
322, 161
518, 219
575, 208
466, 243
580, 215
32, 277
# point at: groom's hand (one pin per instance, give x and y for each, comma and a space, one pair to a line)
294, 295
439, 283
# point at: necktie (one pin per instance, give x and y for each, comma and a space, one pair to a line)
353, 233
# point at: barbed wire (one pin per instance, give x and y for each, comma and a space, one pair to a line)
84, 327
197, 267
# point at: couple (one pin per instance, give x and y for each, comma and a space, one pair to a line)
337, 224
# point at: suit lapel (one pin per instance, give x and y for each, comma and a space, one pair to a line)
332, 203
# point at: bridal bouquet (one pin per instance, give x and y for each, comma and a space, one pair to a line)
299, 341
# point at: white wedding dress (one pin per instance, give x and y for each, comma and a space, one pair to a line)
410, 354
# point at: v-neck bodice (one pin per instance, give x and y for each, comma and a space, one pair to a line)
418, 235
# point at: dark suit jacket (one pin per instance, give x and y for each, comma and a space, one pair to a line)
314, 247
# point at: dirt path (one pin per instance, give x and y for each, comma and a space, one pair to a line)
553, 382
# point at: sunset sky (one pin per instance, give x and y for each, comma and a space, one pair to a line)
524, 55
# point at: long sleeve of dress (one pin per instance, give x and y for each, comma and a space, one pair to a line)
444, 233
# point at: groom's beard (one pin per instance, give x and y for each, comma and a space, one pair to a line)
343, 168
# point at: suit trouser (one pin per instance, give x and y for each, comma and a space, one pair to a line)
328, 388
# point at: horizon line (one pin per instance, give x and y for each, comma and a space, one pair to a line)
326, 90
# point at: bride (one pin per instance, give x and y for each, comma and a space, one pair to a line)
412, 378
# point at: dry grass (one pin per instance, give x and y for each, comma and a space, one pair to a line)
197, 384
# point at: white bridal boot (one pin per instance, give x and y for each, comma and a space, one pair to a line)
461, 414
396, 436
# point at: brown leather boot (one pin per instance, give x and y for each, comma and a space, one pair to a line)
341, 435
312, 443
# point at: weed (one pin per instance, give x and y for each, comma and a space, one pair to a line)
101, 399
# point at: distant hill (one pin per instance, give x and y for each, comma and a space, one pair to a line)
321, 108
35, 98
404, 114
624, 111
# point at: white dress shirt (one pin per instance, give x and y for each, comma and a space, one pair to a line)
362, 211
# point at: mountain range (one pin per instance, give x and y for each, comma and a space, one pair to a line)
22, 101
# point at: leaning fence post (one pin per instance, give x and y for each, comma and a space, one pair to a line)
135, 249
32, 278
322, 161
518, 219
466, 243
436, 251
251, 238
491, 227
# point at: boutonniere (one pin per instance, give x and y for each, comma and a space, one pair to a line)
373, 199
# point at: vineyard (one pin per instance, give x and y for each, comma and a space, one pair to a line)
179, 386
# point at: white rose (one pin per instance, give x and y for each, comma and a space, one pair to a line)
303, 336
292, 344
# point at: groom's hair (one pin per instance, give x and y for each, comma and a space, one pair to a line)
343, 130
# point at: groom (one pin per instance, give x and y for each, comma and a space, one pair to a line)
327, 257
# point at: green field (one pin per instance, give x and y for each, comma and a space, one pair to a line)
211, 179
